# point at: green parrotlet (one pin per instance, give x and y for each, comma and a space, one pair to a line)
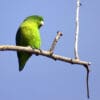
28, 35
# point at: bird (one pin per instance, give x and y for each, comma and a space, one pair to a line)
28, 34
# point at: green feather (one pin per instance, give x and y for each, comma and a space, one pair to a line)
28, 35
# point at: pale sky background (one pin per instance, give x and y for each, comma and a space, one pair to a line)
43, 78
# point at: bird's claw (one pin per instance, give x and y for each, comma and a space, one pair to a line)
38, 53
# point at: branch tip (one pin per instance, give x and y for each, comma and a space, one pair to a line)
59, 34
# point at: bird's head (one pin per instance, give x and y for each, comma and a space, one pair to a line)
37, 19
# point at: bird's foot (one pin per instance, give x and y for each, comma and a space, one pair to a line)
38, 53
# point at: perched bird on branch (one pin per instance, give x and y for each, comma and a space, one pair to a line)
28, 35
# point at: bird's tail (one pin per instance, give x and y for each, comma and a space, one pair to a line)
22, 59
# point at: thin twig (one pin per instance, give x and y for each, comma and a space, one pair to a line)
87, 80
43, 53
77, 30
59, 34
76, 44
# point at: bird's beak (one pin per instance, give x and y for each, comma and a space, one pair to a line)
42, 23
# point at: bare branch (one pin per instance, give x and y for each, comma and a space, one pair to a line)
59, 34
76, 44
43, 53
87, 80
77, 30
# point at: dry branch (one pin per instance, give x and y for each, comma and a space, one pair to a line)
59, 34
77, 30
78, 4
43, 53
